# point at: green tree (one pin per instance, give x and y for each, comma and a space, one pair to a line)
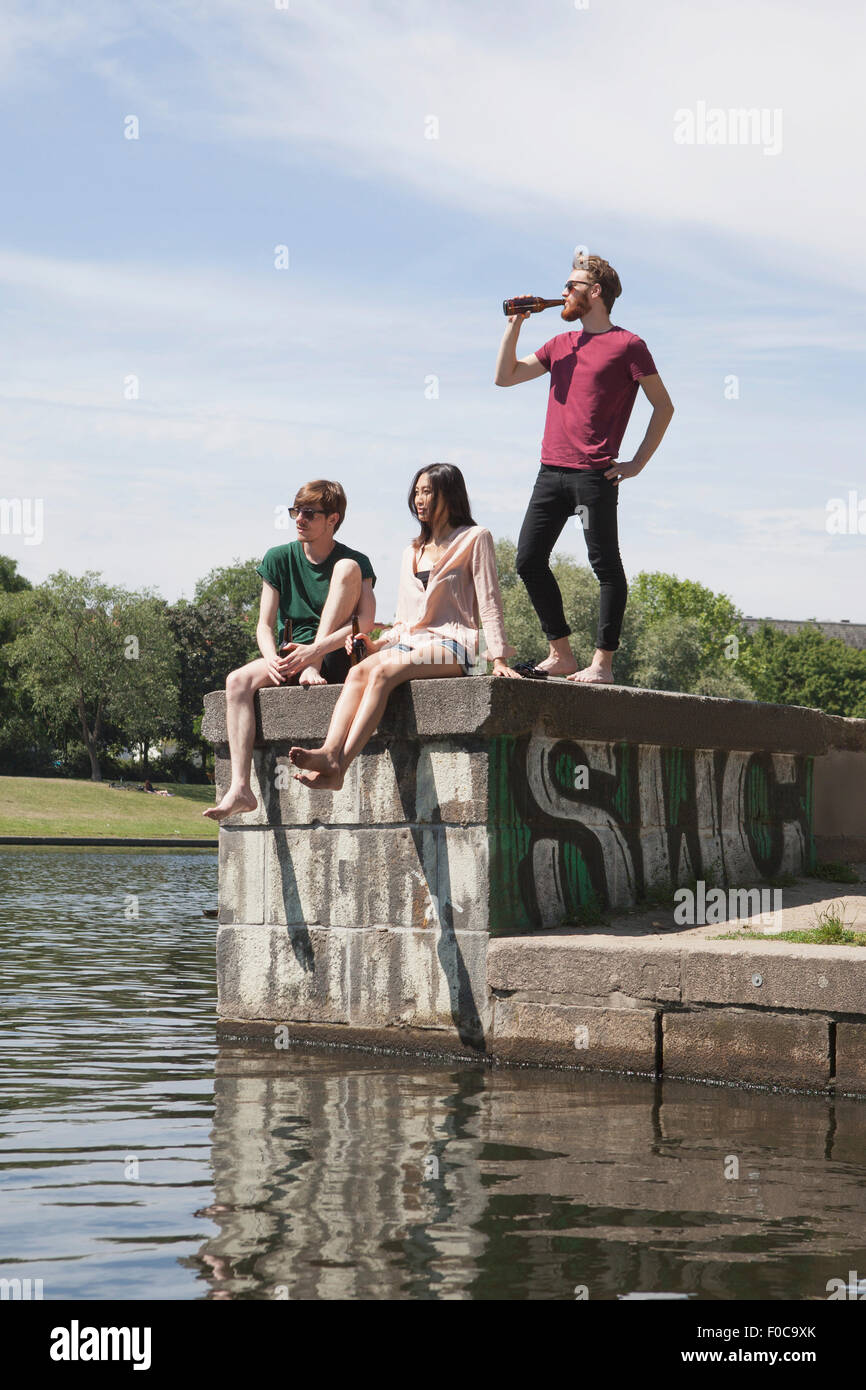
144, 703
20, 741
98, 654
661, 595
238, 588
11, 582
669, 654
807, 668
237, 585
210, 641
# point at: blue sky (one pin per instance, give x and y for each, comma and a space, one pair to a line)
305, 127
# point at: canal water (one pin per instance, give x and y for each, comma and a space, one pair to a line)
139, 1159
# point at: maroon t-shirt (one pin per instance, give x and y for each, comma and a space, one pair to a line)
593, 383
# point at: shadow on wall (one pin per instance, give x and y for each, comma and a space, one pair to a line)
405, 753
405, 756
298, 933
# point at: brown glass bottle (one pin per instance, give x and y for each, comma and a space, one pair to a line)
529, 304
359, 646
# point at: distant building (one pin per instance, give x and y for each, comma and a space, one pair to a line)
852, 634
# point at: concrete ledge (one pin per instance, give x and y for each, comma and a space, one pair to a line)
851, 1057
577, 1035
826, 979
777, 975
742, 1045
487, 706
568, 964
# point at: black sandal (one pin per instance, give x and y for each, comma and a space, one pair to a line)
530, 671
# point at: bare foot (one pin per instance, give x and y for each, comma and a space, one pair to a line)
593, 675
321, 781
314, 759
232, 804
310, 676
557, 665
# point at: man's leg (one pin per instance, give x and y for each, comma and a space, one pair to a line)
241, 688
344, 595
600, 496
548, 511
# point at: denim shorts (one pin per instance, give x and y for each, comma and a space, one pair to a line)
455, 648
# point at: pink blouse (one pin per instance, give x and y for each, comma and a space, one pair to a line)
463, 590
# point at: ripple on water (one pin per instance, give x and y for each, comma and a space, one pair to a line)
139, 1161
107, 1048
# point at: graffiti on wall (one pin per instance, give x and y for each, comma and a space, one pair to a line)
577, 824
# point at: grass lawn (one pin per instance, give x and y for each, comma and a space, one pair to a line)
63, 806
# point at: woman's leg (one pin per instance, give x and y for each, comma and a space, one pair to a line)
326, 758
432, 662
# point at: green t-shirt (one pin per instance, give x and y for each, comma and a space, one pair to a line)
304, 586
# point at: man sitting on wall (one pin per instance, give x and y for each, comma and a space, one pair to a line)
314, 585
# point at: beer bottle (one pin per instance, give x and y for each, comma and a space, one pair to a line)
359, 646
529, 304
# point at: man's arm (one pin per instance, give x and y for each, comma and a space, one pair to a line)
268, 607
510, 371
366, 606
654, 390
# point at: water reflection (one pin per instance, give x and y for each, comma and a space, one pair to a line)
138, 1160
342, 1177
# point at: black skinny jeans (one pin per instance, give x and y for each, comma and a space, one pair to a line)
557, 494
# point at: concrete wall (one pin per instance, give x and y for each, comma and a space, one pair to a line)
485, 808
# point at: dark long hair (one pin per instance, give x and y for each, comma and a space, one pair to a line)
448, 483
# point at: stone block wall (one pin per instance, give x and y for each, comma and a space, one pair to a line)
485, 809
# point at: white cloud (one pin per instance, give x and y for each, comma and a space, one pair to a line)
549, 117
545, 112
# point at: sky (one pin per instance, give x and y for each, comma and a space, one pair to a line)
171, 377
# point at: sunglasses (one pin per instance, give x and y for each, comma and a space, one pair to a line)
306, 512
579, 284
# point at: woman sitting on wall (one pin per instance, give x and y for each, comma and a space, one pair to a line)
448, 580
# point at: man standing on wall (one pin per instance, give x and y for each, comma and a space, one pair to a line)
594, 375
312, 587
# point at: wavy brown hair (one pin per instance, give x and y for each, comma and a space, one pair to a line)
603, 274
